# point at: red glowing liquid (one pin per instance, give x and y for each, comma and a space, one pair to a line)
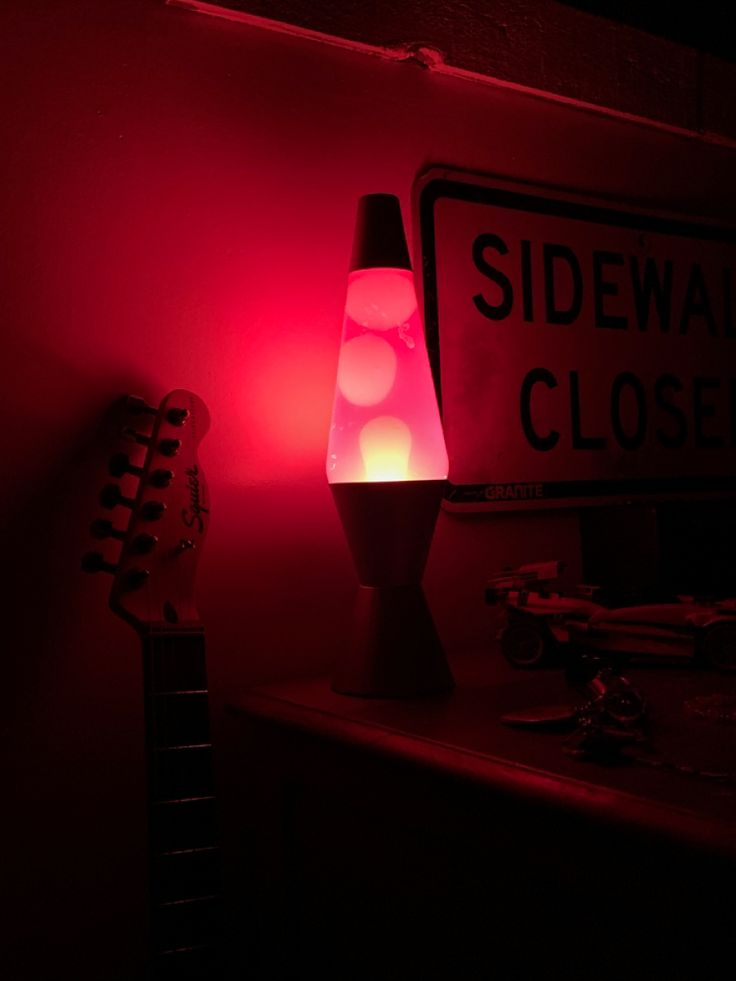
385, 420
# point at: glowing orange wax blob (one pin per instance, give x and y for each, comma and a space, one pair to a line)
366, 370
385, 445
385, 420
380, 298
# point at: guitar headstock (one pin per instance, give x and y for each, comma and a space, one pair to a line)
153, 579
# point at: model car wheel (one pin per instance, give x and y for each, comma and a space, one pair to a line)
718, 646
525, 644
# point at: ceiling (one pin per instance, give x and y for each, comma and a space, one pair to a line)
706, 26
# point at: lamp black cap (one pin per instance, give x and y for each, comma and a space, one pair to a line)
379, 240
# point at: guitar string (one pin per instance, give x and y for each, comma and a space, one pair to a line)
186, 564
185, 579
194, 664
168, 650
155, 762
168, 666
156, 706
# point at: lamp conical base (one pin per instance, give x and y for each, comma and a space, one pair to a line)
394, 650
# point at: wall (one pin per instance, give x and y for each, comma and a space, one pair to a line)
180, 199
541, 44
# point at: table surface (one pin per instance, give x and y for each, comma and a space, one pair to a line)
461, 733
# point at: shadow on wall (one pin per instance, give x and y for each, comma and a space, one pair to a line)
60, 452
73, 721
682, 547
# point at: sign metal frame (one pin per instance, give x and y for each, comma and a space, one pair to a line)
438, 184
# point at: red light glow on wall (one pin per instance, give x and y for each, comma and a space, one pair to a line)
385, 420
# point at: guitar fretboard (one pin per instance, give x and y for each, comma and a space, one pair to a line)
185, 865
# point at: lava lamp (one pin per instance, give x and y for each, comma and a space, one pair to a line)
386, 464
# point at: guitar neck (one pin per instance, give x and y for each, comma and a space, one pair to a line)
177, 716
185, 872
153, 590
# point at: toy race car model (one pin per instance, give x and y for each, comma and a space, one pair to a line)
542, 622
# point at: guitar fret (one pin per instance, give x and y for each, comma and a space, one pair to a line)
188, 851
177, 800
176, 749
168, 904
184, 691
186, 800
183, 950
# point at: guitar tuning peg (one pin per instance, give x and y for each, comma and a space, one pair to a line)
169, 447
137, 406
152, 510
177, 417
94, 562
144, 543
120, 464
135, 578
102, 528
111, 496
127, 432
161, 478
